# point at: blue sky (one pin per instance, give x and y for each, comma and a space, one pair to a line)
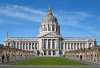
77, 18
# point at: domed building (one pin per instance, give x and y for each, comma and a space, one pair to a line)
49, 41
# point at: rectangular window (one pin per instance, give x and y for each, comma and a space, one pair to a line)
45, 44
53, 52
49, 44
44, 52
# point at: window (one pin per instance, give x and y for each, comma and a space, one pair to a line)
44, 52
53, 52
45, 44
53, 28
49, 44
49, 29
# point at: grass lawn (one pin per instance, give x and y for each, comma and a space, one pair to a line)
55, 61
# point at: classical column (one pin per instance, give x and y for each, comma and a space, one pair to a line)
79, 45
25, 46
64, 46
19, 45
28, 46
51, 44
16, 45
87, 44
76, 46
67, 46
51, 53
34, 45
55, 43
82, 45
42, 43
47, 53
73, 46
37, 45
31, 46
47, 44
47, 27
70, 46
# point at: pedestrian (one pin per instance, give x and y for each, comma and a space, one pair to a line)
3, 57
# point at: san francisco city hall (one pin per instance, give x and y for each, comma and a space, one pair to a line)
49, 41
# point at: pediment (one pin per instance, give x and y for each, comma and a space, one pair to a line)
51, 35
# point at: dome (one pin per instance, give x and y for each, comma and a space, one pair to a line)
49, 17
49, 24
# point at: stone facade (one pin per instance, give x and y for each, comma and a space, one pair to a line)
15, 54
87, 54
49, 41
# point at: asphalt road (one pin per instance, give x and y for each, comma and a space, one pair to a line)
14, 66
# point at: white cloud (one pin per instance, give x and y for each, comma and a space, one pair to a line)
22, 12
72, 18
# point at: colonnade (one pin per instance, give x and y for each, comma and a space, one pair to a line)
30, 46
49, 43
75, 45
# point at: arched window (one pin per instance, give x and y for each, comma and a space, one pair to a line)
49, 29
44, 27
